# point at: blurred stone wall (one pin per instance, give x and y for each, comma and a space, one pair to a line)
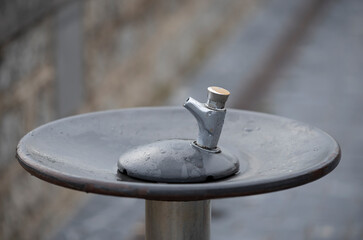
65, 57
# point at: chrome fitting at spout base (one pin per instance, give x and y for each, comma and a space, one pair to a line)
210, 116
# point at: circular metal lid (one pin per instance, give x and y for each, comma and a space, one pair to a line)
81, 152
178, 161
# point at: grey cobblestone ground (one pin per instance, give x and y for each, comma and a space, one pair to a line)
321, 85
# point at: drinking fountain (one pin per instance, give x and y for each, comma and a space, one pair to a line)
178, 160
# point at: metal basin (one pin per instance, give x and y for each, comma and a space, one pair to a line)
81, 152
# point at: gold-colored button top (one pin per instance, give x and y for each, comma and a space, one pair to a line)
217, 97
218, 90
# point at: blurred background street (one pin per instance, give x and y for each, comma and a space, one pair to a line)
299, 59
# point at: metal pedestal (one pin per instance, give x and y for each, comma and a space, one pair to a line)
177, 220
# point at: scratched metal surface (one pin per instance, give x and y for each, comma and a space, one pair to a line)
81, 152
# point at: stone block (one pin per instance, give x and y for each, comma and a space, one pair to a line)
11, 130
20, 57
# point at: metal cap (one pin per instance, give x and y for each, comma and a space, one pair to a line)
217, 97
178, 161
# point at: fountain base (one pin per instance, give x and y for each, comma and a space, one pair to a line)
178, 161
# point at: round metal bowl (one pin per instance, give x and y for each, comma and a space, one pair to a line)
82, 152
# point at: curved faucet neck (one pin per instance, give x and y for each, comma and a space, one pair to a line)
210, 122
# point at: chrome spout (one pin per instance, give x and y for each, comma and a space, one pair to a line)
210, 116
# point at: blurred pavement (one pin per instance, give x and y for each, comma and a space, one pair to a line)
321, 84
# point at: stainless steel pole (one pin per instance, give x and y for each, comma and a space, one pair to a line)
177, 220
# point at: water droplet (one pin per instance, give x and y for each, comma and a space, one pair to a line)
248, 129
